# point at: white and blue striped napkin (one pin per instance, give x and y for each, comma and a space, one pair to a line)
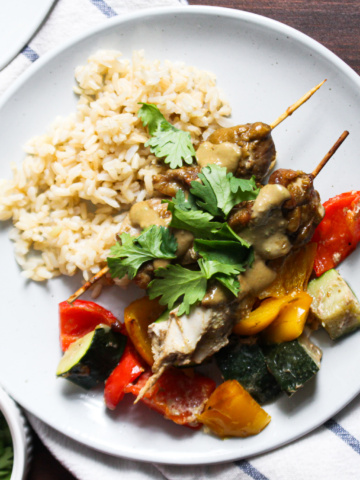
330, 452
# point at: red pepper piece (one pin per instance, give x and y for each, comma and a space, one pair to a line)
128, 370
81, 317
339, 232
178, 396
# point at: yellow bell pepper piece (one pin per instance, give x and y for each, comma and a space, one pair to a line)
290, 322
137, 317
292, 272
232, 412
261, 317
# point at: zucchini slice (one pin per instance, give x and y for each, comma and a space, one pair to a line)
334, 304
246, 364
293, 363
90, 359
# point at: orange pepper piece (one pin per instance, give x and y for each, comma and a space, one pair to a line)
232, 412
292, 272
290, 322
137, 317
261, 317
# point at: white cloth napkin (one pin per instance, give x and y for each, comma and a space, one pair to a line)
331, 452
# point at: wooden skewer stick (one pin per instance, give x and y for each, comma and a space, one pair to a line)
282, 117
330, 153
88, 284
290, 110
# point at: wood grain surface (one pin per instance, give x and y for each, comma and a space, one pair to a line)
335, 24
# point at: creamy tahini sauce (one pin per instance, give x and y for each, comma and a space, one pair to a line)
256, 278
270, 196
184, 240
143, 216
215, 295
223, 154
267, 233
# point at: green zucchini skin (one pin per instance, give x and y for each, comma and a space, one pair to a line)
292, 364
246, 364
90, 360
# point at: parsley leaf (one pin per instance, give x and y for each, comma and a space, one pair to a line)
220, 191
127, 256
176, 282
166, 141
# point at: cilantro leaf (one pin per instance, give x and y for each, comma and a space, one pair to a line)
195, 221
220, 191
175, 283
213, 267
128, 256
206, 192
151, 117
167, 142
225, 251
231, 283
181, 202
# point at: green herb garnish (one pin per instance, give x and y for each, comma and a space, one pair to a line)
6, 450
220, 191
223, 255
167, 142
175, 283
127, 255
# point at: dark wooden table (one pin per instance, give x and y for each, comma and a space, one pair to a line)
335, 24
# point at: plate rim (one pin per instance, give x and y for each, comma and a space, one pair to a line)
212, 11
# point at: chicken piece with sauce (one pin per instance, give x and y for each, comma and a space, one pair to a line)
245, 150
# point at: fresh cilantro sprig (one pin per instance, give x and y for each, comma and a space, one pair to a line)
167, 142
127, 255
175, 283
219, 191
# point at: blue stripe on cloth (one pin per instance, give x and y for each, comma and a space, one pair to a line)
104, 8
247, 468
343, 434
29, 53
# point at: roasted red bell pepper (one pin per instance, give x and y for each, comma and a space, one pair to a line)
339, 232
178, 396
81, 317
128, 370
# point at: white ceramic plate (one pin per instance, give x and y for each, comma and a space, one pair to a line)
263, 67
19, 20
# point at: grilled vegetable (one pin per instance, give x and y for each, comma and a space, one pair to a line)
290, 322
127, 370
293, 363
232, 412
246, 364
90, 359
176, 395
264, 315
334, 304
79, 318
138, 316
339, 232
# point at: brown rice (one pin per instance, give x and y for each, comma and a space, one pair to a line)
77, 180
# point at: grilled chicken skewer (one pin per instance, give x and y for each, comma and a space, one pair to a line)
253, 142
245, 150
284, 215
